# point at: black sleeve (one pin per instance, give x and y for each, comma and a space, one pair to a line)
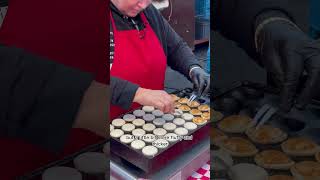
235, 19
122, 92
4, 3
39, 98
179, 55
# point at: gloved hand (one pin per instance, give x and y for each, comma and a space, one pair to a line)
200, 80
286, 52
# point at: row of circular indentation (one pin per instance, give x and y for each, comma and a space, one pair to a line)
149, 129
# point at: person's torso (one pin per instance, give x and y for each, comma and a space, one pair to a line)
137, 56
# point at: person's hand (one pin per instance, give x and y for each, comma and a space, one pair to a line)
286, 52
157, 98
200, 80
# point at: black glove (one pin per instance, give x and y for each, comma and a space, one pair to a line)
286, 53
200, 80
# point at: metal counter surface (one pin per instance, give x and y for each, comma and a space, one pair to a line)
180, 168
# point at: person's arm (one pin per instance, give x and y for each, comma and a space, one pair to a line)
179, 55
124, 93
40, 99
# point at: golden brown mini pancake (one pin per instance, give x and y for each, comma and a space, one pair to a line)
195, 112
273, 159
235, 124
306, 170
199, 120
184, 108
266, 134
193, 104
300, 147
177, 104
183, 101
206, 115
204, 107
239, 147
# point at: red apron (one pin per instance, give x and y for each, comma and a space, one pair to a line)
139, 60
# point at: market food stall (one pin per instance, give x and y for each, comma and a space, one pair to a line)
146, 143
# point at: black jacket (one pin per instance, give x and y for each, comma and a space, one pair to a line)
235, 18
179, 55
39, 99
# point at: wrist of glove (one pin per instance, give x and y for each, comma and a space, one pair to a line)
200, 80
286, 53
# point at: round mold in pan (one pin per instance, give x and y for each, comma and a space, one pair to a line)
159, 132
149, 127
139, 113
138, 122
159, 122
179, 121
138, 144
187, 116
150, 151
128, 127
138, 133
157, 113
117, 133
169, 127
129, 117
117, 123
148, 109
168, 117
148, 117
181, 131
177, 113
190, 126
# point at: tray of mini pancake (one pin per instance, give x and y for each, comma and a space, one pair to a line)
274, 151
91, 162
149, 139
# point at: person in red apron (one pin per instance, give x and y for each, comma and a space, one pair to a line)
142, 43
